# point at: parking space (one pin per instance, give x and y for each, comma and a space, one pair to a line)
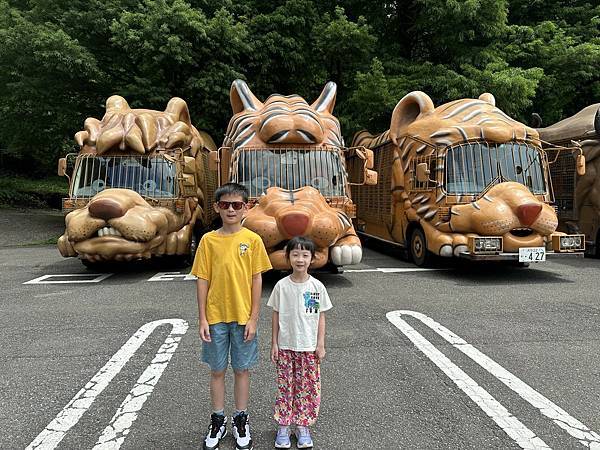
75, 369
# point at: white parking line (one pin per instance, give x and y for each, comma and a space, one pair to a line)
392, 269
83, 278
560, 417
119, 426
522, 435
172, 276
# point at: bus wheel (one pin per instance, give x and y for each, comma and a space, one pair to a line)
418, 248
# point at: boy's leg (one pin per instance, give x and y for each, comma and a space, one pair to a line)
215, 354
244, 356
241, 389
217, 390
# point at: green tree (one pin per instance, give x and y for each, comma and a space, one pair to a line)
41, 98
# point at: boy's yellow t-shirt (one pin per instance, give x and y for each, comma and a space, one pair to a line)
228, 262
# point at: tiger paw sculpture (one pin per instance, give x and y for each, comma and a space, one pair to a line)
281, 214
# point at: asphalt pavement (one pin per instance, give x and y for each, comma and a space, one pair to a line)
384, 386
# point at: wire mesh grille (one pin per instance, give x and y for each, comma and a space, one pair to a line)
472, 167
290, 168
373, 203
563, 182
150, 176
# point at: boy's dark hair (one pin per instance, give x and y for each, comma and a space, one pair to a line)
301, 243
232, 189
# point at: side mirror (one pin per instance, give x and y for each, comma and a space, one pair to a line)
189, 164
62, 167
213, 160
422, 173
370, 177
369, 158
580, 164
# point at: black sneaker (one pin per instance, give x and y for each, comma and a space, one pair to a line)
241, 432
217, 430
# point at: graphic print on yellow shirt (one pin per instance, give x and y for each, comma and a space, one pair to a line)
228, 262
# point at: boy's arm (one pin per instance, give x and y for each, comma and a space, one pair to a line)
250, 330
202, 293
274, 336
320, 351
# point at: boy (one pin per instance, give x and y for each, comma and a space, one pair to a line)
228, 264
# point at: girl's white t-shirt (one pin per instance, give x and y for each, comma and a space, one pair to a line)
299, 305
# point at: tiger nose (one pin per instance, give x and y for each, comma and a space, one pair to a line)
295, 224
528, 212
105, 208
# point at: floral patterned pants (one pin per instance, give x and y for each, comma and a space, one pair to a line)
299, 388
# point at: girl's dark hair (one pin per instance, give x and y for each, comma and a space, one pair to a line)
301, 243
232, 189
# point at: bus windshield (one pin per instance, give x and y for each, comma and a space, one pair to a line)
471, 168
149, 176
260, 169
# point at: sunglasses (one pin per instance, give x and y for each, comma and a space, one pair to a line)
235, 205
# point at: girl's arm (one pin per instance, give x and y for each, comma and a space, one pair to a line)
320, 351
274, 336
201, 293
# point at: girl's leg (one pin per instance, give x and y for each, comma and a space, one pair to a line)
307, 381
285, 385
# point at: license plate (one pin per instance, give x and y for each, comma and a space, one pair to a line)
532, 254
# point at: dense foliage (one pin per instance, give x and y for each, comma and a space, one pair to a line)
61, 59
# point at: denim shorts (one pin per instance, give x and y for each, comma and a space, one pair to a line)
226, 338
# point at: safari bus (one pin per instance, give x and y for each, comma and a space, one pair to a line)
138, 186
462, 180
291, 157
577, 191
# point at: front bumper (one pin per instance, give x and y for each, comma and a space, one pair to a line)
515, 256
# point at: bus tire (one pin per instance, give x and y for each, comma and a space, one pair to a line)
418, 248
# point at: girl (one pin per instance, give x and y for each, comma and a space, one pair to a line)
298, 344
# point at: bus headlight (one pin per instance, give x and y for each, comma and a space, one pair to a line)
568, 243
485, 244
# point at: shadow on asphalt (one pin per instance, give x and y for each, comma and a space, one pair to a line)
482, 272
492, 273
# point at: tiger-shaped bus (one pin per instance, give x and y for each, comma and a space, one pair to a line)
461, 180
290, 155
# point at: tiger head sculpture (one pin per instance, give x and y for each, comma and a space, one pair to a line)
474, 189
289, 128
117, 222
282, 119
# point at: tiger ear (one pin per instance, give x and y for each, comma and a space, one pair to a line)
242, 98
487, 97
179, 109
116, 103
326, 101
412, 105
